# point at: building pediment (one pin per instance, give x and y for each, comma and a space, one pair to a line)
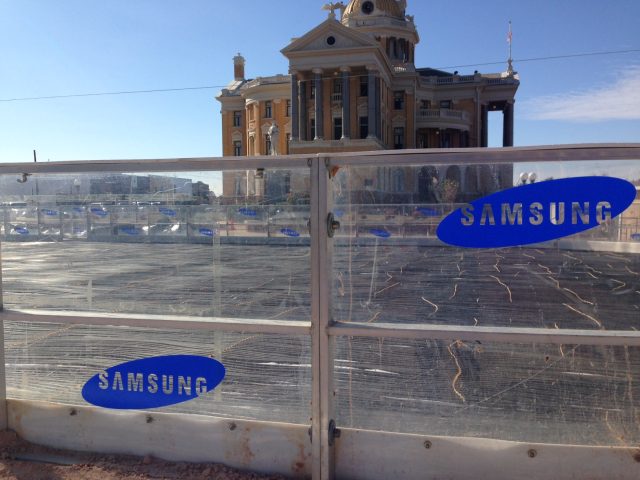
329, 35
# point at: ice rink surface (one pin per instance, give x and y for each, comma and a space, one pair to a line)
545, 393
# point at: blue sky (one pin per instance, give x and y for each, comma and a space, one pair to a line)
79, 46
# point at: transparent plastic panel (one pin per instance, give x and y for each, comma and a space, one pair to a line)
569, 394
389, 265
268, 377
231, 244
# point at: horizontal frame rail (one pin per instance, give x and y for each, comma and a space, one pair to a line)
459, 156
235, 325
464, 156
488, 334
158, 165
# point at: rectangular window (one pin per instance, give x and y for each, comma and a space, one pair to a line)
398, 100
425, 104
312, 128
336, 95
364, 127
364, 86
445, 103
237, 149
267, 144
288, 142
337, 128
288, 108
268, 109
237, 118
398, 138
313, 90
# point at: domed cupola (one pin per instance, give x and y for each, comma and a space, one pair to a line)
386, 20
373, 8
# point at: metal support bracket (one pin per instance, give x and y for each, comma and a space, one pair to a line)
334, 432
332, 225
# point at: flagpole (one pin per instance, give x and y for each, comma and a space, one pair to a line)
510, 41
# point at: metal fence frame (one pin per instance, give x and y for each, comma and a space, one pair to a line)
322, 328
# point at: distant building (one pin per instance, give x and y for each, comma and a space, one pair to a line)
353, 86
107, 187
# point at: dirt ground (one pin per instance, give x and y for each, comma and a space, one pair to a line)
21, 460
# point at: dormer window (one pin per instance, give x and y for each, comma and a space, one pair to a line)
367, 8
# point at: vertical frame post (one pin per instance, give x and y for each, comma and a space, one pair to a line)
322, 344
3, 379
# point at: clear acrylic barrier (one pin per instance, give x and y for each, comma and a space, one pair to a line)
389, 266
159, 244
556, 394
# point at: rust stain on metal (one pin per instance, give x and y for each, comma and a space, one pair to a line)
299, 464
246, 455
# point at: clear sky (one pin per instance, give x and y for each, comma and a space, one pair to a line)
65, 47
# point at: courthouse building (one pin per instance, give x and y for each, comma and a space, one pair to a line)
354, 86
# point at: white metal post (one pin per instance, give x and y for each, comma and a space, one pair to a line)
322, 351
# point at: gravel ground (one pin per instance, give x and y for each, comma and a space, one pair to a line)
21, 460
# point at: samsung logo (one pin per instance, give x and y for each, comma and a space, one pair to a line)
537, 212
154, 382
247, 212
167, 212
288, 232
380, 233
99, 212
130, 230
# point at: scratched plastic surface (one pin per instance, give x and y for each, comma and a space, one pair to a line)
159, 243
389, 266
569, 394
268, 377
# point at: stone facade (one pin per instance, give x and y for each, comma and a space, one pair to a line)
353, 86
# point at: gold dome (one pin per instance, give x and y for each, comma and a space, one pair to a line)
389, 8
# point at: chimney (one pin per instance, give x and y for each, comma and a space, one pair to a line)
238, 67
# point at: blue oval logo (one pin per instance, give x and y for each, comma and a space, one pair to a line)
167, 212
130, 230
153, 382
99, 212
50, 213
247, 212
380, 233
207, 232
21, 230
338, 213
289, 232
537, 212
